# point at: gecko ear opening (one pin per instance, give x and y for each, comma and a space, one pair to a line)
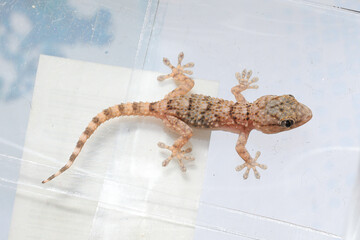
287, 123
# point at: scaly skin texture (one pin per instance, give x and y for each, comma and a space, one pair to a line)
180, 111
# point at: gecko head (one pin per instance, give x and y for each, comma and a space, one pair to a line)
273, 114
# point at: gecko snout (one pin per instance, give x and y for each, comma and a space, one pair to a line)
306, 114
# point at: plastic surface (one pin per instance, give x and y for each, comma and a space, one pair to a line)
305, 48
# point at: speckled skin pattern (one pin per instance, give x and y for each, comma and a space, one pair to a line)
180, 111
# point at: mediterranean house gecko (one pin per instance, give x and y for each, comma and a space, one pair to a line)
180, 111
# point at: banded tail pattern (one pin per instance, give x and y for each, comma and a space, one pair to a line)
124, 109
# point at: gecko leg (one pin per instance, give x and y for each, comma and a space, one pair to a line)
185, 83
244, 83
250, 163
185, 131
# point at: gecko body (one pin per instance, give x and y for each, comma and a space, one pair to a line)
181, 111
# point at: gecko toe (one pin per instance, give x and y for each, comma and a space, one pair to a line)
257, 174
180, 58
188, 72
189, 65
246, 174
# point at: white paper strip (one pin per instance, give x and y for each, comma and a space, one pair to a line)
117, 186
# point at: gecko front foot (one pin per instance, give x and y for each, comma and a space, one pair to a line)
178, 70
245, 81
176, 153
251, 165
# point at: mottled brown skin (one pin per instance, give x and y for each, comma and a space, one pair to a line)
180, 111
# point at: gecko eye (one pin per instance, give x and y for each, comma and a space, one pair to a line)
287, 123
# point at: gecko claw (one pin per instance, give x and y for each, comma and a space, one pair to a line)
178, 154
251, 165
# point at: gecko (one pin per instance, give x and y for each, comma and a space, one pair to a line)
180, 110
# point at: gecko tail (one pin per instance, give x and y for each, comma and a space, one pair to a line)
124, 109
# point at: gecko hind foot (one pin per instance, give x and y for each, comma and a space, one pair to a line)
176, 153
179, 69
245, 81
251, 165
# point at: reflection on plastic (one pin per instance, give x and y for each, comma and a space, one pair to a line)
35, 190
353, 223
